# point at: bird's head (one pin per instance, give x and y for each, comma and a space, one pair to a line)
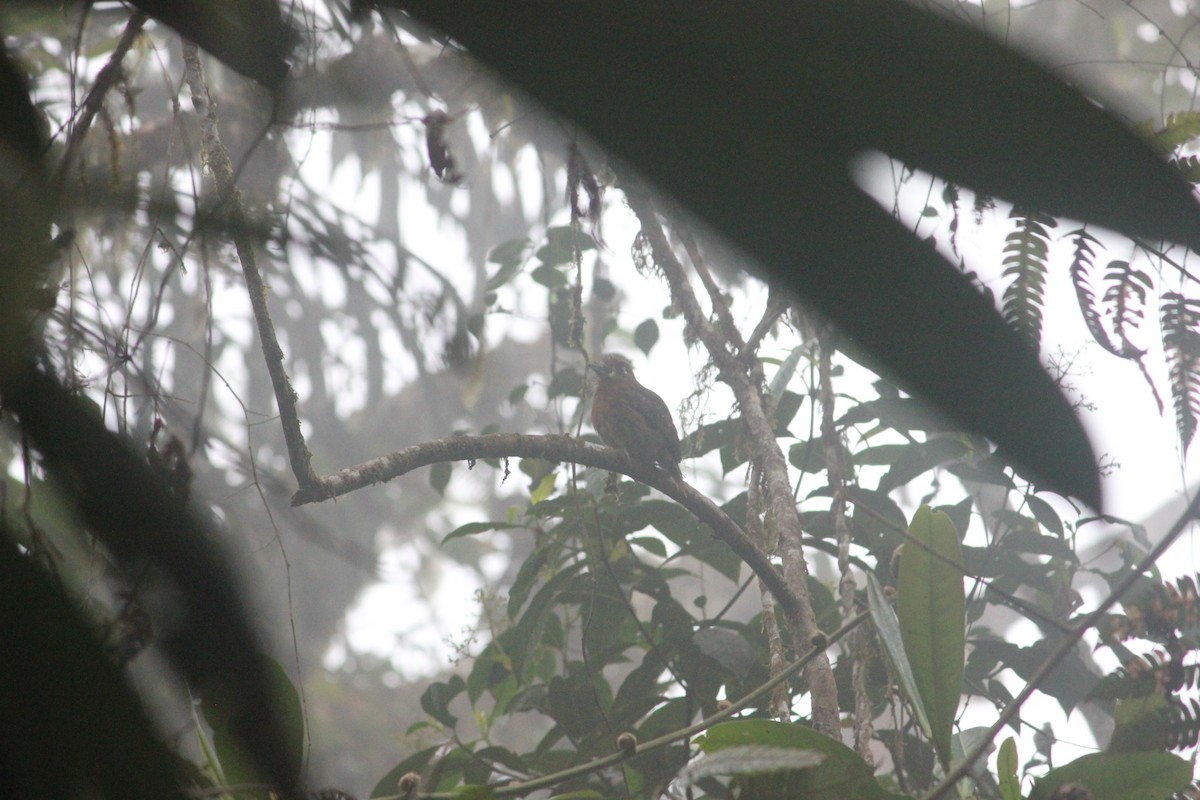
613, 366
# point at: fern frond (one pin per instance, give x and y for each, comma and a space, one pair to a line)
1025, 253
1126, 296
950, 198
1081, 267
1188, 166
1178, 130
1183, 724
1181, 342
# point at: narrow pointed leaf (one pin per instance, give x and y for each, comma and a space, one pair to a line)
887, 626
931, 607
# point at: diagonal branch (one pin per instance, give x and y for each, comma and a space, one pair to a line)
1069, 643
108, 77
216, 156
553, 448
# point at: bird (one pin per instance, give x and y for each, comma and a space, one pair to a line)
630, 417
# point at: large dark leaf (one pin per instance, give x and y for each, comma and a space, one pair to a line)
130, 508
248, 35
69, 726
751, 114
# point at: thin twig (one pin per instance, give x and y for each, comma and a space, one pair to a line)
720, 305
216, 156
108, 77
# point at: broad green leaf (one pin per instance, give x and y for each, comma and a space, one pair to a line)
236, 762
786, 407
436, 699
506, 272
919, 458
1006, 771
783, 375
472, 528
544, 488
510, 251
389, 783
888, 629
1128, 776
931, 607
842, 775
1045, 514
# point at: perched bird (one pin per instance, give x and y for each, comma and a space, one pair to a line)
632, 418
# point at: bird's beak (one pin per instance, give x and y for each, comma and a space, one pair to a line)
599, 370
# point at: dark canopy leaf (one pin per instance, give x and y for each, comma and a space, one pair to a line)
752, 114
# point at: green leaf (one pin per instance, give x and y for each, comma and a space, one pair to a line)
510, 252
1045, 514
236, 762
645, 335
511, 257
417, 762
651, 545
842, 774
472, 528
783, 375
1132, 776
748, 759
1006, 771
544, 489
549, 276
916, 459
931, 607
888, 628
785, 410
436, 699
439, 476
1069, 682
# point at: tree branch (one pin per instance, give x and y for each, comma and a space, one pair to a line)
216, 156
552, 448
755, 414
106, 79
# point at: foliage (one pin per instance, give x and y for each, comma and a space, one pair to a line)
707, 640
